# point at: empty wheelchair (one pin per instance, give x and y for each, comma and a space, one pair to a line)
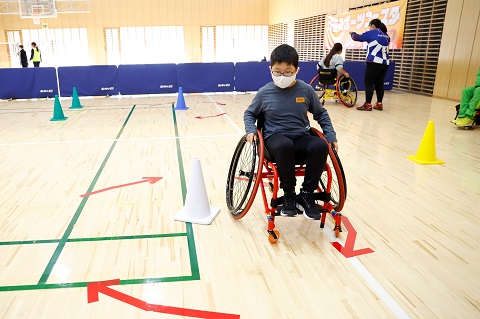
329, 85
251, 167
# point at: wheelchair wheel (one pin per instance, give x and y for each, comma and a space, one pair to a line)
244, 177
318, 87
338, 187
346, 91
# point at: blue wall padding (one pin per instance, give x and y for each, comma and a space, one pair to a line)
308, 70
94, 80
28, 83
388, 84
356, 69
147, 79
251, 76
206, 77
102, 80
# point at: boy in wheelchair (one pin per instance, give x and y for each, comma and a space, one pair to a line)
283, 104
469, 104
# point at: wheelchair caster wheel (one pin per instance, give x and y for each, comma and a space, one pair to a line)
337, 230
273, 236
337, 233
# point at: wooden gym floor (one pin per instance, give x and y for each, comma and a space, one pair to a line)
422, 222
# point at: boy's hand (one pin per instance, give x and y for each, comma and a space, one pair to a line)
335, 146
251, 138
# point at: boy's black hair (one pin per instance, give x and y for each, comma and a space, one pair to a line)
284, 53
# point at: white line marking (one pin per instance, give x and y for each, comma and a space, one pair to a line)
228, 117
367, 276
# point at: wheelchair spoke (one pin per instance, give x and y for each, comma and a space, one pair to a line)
244, 176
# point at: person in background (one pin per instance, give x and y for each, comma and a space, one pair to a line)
377, 62
23, 57
284, 104
36, 55
468, 103
333, 60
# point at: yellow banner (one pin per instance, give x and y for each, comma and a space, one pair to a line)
392, 14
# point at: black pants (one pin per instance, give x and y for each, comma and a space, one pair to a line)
374, 76
287, 151
36, 64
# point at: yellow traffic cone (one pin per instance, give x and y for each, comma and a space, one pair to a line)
426, 153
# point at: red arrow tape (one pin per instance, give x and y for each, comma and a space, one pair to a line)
95, 288
348, 251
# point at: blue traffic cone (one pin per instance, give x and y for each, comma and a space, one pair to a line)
180, 101
75, 100
57, 111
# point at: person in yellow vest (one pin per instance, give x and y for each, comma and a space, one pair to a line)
36, 56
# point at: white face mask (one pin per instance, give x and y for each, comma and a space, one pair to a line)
283, 81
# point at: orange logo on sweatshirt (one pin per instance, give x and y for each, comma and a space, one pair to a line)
300, 100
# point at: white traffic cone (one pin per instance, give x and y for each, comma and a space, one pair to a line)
197, 209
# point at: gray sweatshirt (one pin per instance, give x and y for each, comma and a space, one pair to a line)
286, 110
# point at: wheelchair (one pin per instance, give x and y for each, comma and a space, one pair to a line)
476, 117
251, 167
329, 85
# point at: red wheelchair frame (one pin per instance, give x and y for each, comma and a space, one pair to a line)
249, 169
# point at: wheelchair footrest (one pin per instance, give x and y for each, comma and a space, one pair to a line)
276, 202
324, 197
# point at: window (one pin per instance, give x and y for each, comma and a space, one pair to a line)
13, 38
59, 47
143, 45
112, 46
208, 44
234, 43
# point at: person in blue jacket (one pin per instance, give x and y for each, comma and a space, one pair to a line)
377, 62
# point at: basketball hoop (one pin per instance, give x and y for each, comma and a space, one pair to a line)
30, 9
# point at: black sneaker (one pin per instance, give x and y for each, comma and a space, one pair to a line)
289, 205
307, 203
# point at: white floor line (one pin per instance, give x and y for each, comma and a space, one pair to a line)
240, 131
121, 140
367, 276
